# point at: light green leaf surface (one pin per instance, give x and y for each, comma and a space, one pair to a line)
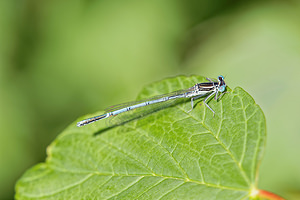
169, 154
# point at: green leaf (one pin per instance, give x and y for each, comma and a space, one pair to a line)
169, 154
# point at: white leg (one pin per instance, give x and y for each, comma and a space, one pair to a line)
192, 101
206, 99
221, 95
192, 104
211, 80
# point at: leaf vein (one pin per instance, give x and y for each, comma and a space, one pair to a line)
130, 185
171, 156
61, 189
246, 135
168, 192
149, 188
224, 146
132, 157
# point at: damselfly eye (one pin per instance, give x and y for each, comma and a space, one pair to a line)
221, 78
222, 88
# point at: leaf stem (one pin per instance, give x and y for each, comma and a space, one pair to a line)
268, 195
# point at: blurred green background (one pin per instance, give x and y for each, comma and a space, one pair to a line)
63, 59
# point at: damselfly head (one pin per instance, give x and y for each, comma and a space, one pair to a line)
221, 78
222, 84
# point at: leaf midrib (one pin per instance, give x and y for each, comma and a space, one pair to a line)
91, 174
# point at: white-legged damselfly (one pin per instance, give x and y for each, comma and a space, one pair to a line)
198, 90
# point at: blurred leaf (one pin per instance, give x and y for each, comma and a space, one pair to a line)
170, 154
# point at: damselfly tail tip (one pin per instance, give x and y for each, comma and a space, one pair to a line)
81, 123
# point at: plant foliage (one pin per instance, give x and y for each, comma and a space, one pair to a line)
168, 154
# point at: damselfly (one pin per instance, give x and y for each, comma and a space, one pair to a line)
198, 90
